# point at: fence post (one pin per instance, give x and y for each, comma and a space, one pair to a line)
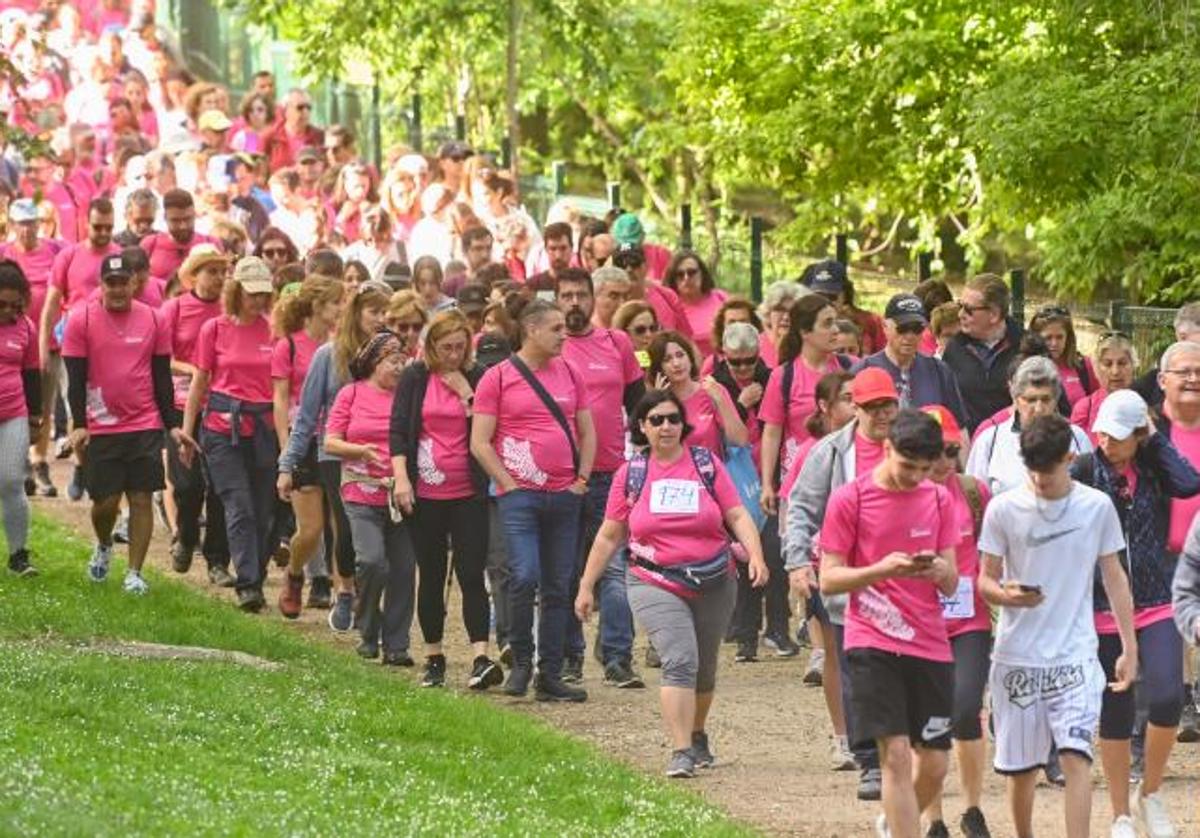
1116, 316
506, 152
560, 177
613, 188
685, 227
1017, 285
756, 258
460, 127
376, 126
924, 266
414, 131
842, 248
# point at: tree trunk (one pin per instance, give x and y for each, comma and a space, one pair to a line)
510, 87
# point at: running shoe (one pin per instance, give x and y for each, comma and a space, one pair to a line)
840, 756
653, 661
1189, 723
780, 644
620, 674
814, 674
251, 600
367, 651
41, 479
802, 635
434, 674
121, 531
282, 555
747, 651
18, 563
881, 827
398, 658
484, 673
341, 616
62, 448
518, 679
556, 689
101, 559
572, 669
75, 489
220, 576
1053, 771
937, 829
1123, 827
135, 584
973, 824
30, 483
181, 556
290, 596
506, 655
1153, 815
702, 756
320, 592
681, 766
870, 784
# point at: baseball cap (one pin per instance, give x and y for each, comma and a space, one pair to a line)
22, 210
472, 297
455, 149
825, 277
905, 309
213, 120
115, 265
1121, 413
628, 230
873, 384
309, 153
951, 432
253, 275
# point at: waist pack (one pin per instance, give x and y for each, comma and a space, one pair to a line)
696, 577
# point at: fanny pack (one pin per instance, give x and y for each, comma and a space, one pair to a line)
388, 484
697, 577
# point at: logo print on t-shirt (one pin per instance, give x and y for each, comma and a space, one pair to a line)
517, 455
879, 611
427, 469
791, 450
1042, 540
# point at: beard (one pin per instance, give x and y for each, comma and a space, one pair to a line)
577, 319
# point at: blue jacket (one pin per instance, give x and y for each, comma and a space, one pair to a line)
321, 386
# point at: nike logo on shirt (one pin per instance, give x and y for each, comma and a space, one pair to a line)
1043, 540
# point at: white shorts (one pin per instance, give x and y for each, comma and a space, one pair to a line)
1034, 708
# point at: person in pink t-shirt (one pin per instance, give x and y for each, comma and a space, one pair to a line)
711, 412
305, 319
533, 435
1075, 371
614, 386
358, 432
676, 507
443, 490
689, 277
118, 361
1115, 360
889, 541
43, 179
168, 250
667, 307
20, 409
231, 387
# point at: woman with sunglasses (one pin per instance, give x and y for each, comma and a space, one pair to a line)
358, 433
1075, 371
637, 319
20, 409
733, 310
676, 507
689, 277
407, 317
257, 115
715, 420
969, 627
276, 248
1115, 361
1142, 471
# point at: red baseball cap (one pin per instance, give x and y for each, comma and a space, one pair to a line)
951, 432
873, 384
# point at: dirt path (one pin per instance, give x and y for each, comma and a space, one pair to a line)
769, 730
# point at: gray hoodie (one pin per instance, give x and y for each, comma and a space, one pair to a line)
1185, 590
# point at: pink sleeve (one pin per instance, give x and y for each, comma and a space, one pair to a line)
281, 360
682, 324
1079, 412
840, 529
948, 535
985, 494
58, 271
772, 409
727, 493
206, 347
487, 394
339, 414
578, 385
75, 341
631, 368
617, 506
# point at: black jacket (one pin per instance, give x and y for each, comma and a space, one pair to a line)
724, 376
982, 374
405, 431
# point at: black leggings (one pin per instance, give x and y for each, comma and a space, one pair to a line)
972, 662
1160, 652
434, 525
331, 480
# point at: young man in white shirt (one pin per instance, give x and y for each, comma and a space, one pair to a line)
1045, 540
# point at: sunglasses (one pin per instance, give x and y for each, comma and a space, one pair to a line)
1053, 311
303, 107
272, 252
742, 362
911, 329
952, 451
12, 305
401, 326
659, 419
688, 272
643, 330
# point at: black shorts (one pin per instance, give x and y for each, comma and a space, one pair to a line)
305, 472
128, 462
900, 695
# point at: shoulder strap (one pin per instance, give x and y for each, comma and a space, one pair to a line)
635, 476
549, 402
970, 488
843, 362
789, 376
291, 351
1085, 465
702, 459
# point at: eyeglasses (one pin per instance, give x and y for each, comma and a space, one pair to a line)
1113, 333
273, 252
686, 272
742, 362
970, 309
910, 328
952, 451
303, 106
403, 326
1187, 373
643, 330
880, 407
1053, 311
659, 419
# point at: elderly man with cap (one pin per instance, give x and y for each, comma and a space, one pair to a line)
118, 361
627, 230
310, 166
920, 379
283, 141
667, 308
835, 460
214, 132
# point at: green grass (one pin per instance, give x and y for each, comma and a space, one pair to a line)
101, 745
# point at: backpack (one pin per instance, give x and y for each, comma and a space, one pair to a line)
639, 466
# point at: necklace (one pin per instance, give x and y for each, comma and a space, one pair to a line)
1066, 507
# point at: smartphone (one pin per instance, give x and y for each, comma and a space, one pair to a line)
1029, 589
924, 558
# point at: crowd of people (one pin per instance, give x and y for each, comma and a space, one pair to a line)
370, 380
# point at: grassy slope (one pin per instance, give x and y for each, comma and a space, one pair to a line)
95, 744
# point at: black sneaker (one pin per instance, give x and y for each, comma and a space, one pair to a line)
620, 674
403, 658
518, 679
251, 600
802, 635
220, 576
973, 824
366, 651
747, 651
781, 644
1189, 724
937, 829
121, 531
434, 673
320, 592
701, 755
870, 784
30, 484
653, 661
555, 689
18, 563
572, 669
181, 557
682, 765
41, 479
341, 616
75, 489
484, 673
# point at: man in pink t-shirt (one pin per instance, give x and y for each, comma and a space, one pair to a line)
167, 251
42, 178
888, 540
118, 360
664, 301
614, 386
533, 435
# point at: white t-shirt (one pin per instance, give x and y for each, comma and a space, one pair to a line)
1054, 544
995, 457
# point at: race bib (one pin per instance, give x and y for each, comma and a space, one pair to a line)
961, 606
674, 497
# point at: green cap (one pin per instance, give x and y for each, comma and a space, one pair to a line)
628, 230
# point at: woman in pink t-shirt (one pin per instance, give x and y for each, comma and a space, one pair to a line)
232, 384
775, 312
305, 319
1075, 372
676, 507
733, 310
711, 412
689, 277
1116, 359
20, 409
444, 491
358, 432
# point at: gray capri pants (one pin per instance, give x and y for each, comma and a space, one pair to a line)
385, 575
686, 632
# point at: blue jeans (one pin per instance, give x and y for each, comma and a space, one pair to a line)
616, 620
541, 532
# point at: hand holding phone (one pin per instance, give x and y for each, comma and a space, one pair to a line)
1022, 595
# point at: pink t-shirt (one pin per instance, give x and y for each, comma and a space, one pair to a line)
791, 412
118, 346
290, 360
182, 318
702, 415
529, 442
675, 520
1085, 411
1183, 510
867, 454
37, 265
789, 477
362, 414
768, 352
928, 344
606, 359
76, 271
443, 458
166, 254
238, 357
966, 556
668, 310
864, 523
1072, 384
700, 316
18, 352
658, 259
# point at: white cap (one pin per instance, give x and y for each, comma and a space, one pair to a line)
1121, 413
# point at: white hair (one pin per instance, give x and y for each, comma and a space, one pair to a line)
608, 274
1181, 347
1187, 319
1037, 371
740, 337
783, 293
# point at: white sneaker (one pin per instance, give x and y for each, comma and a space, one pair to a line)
1123, 827
135, 584
1152, 812
814, 672
881, 827
840, 757
101, 559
